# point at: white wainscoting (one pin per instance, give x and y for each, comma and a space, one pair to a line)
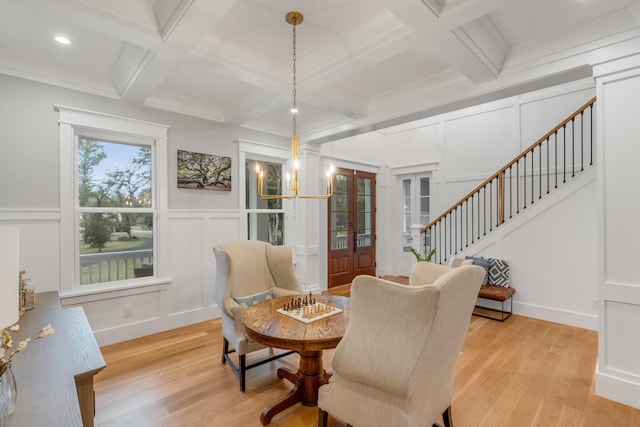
39, 244
553, 261
186, 299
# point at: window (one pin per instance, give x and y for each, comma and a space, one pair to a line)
265, 218
415, 208
115, 210
113, 201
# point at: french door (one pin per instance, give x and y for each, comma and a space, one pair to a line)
352, 231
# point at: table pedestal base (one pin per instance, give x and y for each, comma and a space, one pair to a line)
306, 381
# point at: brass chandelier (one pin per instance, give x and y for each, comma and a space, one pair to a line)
292, 179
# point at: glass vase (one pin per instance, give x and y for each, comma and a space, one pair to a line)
8, 395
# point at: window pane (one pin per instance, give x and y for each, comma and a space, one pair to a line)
340, 184
115, 246
112, 174
339, 202
424, 206
424, 186
424, 198
406, 215
266, 227
272, 185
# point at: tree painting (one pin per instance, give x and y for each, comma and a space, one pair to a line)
204, 171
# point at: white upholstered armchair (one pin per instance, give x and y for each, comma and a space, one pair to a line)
395, 363
246, 272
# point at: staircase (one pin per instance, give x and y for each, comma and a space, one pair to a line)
558, 157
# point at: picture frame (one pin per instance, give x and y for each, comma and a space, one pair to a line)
200, 171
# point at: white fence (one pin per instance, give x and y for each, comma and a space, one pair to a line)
112, 266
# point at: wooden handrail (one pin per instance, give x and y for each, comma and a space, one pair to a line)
508, 165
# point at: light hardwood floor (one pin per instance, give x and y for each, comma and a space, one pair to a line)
522, 372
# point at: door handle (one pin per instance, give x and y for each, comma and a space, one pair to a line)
355, 241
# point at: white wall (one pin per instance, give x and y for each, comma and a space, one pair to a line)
552, 249
618, 370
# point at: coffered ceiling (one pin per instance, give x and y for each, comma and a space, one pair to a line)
361, 64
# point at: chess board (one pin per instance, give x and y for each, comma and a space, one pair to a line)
298, 313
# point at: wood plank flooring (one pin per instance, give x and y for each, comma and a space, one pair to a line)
522, 372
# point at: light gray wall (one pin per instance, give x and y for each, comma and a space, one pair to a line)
30, 155
29, 200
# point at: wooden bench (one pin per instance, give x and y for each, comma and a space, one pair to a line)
503, 294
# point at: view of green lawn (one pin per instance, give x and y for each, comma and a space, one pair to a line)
116, 244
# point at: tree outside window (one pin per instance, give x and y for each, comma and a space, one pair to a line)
115, 210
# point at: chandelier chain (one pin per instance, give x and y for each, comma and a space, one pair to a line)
294, 108
292, 179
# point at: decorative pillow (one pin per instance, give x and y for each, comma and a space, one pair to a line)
499, 272
484, 263
252, 299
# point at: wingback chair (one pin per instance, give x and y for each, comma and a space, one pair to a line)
395, 363
246, 272
424, 272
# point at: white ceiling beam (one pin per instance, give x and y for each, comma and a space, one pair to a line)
475, 49
139, 73
461, 32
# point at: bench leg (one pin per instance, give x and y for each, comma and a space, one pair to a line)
504, 315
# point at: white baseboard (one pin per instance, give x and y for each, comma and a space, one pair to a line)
618, 389
564, 317
154, 325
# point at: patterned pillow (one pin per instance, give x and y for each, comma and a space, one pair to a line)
499, 272
484, 263
252, 299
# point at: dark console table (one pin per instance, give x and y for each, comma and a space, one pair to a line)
54, 375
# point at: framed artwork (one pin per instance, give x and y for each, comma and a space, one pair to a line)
203, 171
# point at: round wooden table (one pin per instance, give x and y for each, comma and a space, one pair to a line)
265, 325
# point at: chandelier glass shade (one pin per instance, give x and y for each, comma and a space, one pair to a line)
292, 178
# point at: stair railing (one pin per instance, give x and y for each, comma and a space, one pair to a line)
551, 161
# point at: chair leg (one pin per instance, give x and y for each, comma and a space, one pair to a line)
243, 371
447, 418
323, 417
225, 349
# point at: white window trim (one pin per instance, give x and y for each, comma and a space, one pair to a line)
251, 150
71, 123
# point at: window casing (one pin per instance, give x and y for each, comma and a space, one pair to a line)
118, 207
416, 205
265, 218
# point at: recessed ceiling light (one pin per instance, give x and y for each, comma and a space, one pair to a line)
62, 40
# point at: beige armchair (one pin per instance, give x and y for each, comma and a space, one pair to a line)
424, 272
395, 363
246, 272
